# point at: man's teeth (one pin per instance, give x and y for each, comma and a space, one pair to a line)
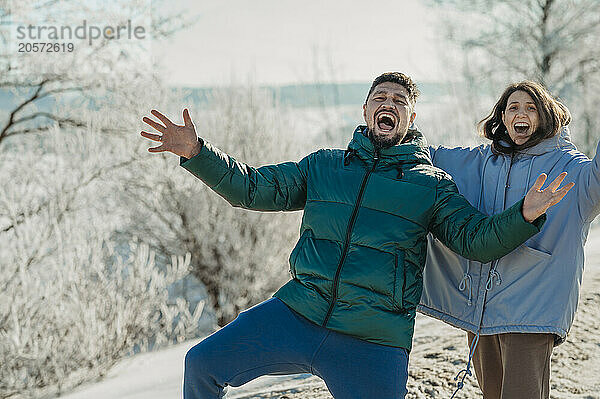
521, 124
391, 116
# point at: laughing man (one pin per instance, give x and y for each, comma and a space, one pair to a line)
347, 314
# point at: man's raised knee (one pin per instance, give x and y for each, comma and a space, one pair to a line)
197, 359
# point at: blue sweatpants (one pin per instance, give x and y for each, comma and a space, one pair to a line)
270, 338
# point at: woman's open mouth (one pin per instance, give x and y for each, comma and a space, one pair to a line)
521, 127
386, 121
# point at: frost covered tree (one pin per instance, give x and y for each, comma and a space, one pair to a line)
551, 41
73, 299
239, 256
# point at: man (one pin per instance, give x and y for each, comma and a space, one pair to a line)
347, 315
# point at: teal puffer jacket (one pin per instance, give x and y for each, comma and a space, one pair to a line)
357, 267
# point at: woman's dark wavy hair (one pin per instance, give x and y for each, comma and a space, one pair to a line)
553, 115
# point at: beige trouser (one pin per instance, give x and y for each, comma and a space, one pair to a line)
513, 365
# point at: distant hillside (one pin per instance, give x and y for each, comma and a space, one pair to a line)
321, 94
301, 95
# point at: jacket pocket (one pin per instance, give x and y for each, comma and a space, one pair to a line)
535, 252
296, 251
530, 294
399, 280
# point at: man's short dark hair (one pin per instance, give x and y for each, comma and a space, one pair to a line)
401, 79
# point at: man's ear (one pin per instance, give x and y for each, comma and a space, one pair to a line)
365, 112
412, 118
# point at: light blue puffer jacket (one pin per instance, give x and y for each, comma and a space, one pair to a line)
535, 288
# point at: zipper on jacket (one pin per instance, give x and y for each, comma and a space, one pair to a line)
495, 262
507, 185
347, 240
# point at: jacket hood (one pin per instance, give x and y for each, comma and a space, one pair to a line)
560, 141
414, 151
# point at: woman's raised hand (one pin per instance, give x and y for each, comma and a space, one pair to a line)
180, 140
537, 201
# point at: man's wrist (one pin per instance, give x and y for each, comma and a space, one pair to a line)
196, 150
530, 217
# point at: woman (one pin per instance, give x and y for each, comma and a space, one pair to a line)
516, 309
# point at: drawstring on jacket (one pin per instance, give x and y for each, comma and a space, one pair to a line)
467, 280
529, 174
462, 374
493, 275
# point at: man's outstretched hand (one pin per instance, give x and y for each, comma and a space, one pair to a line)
180, 140
537, 201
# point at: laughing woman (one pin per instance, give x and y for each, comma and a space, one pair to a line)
516, 309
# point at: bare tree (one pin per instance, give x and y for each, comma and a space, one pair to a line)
551, 41
93, 74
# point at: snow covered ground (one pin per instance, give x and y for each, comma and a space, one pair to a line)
439, 353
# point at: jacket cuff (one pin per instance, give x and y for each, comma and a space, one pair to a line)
539, 222
183, 160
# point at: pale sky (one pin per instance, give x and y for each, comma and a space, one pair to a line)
286, 42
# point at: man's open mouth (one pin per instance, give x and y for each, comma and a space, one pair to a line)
386, 121
521, 127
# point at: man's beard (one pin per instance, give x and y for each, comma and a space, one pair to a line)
386, 141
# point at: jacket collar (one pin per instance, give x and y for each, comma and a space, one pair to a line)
559, 142
414, 151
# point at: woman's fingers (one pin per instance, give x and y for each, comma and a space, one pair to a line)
556, 182
151, 136
155, 125
163, 118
